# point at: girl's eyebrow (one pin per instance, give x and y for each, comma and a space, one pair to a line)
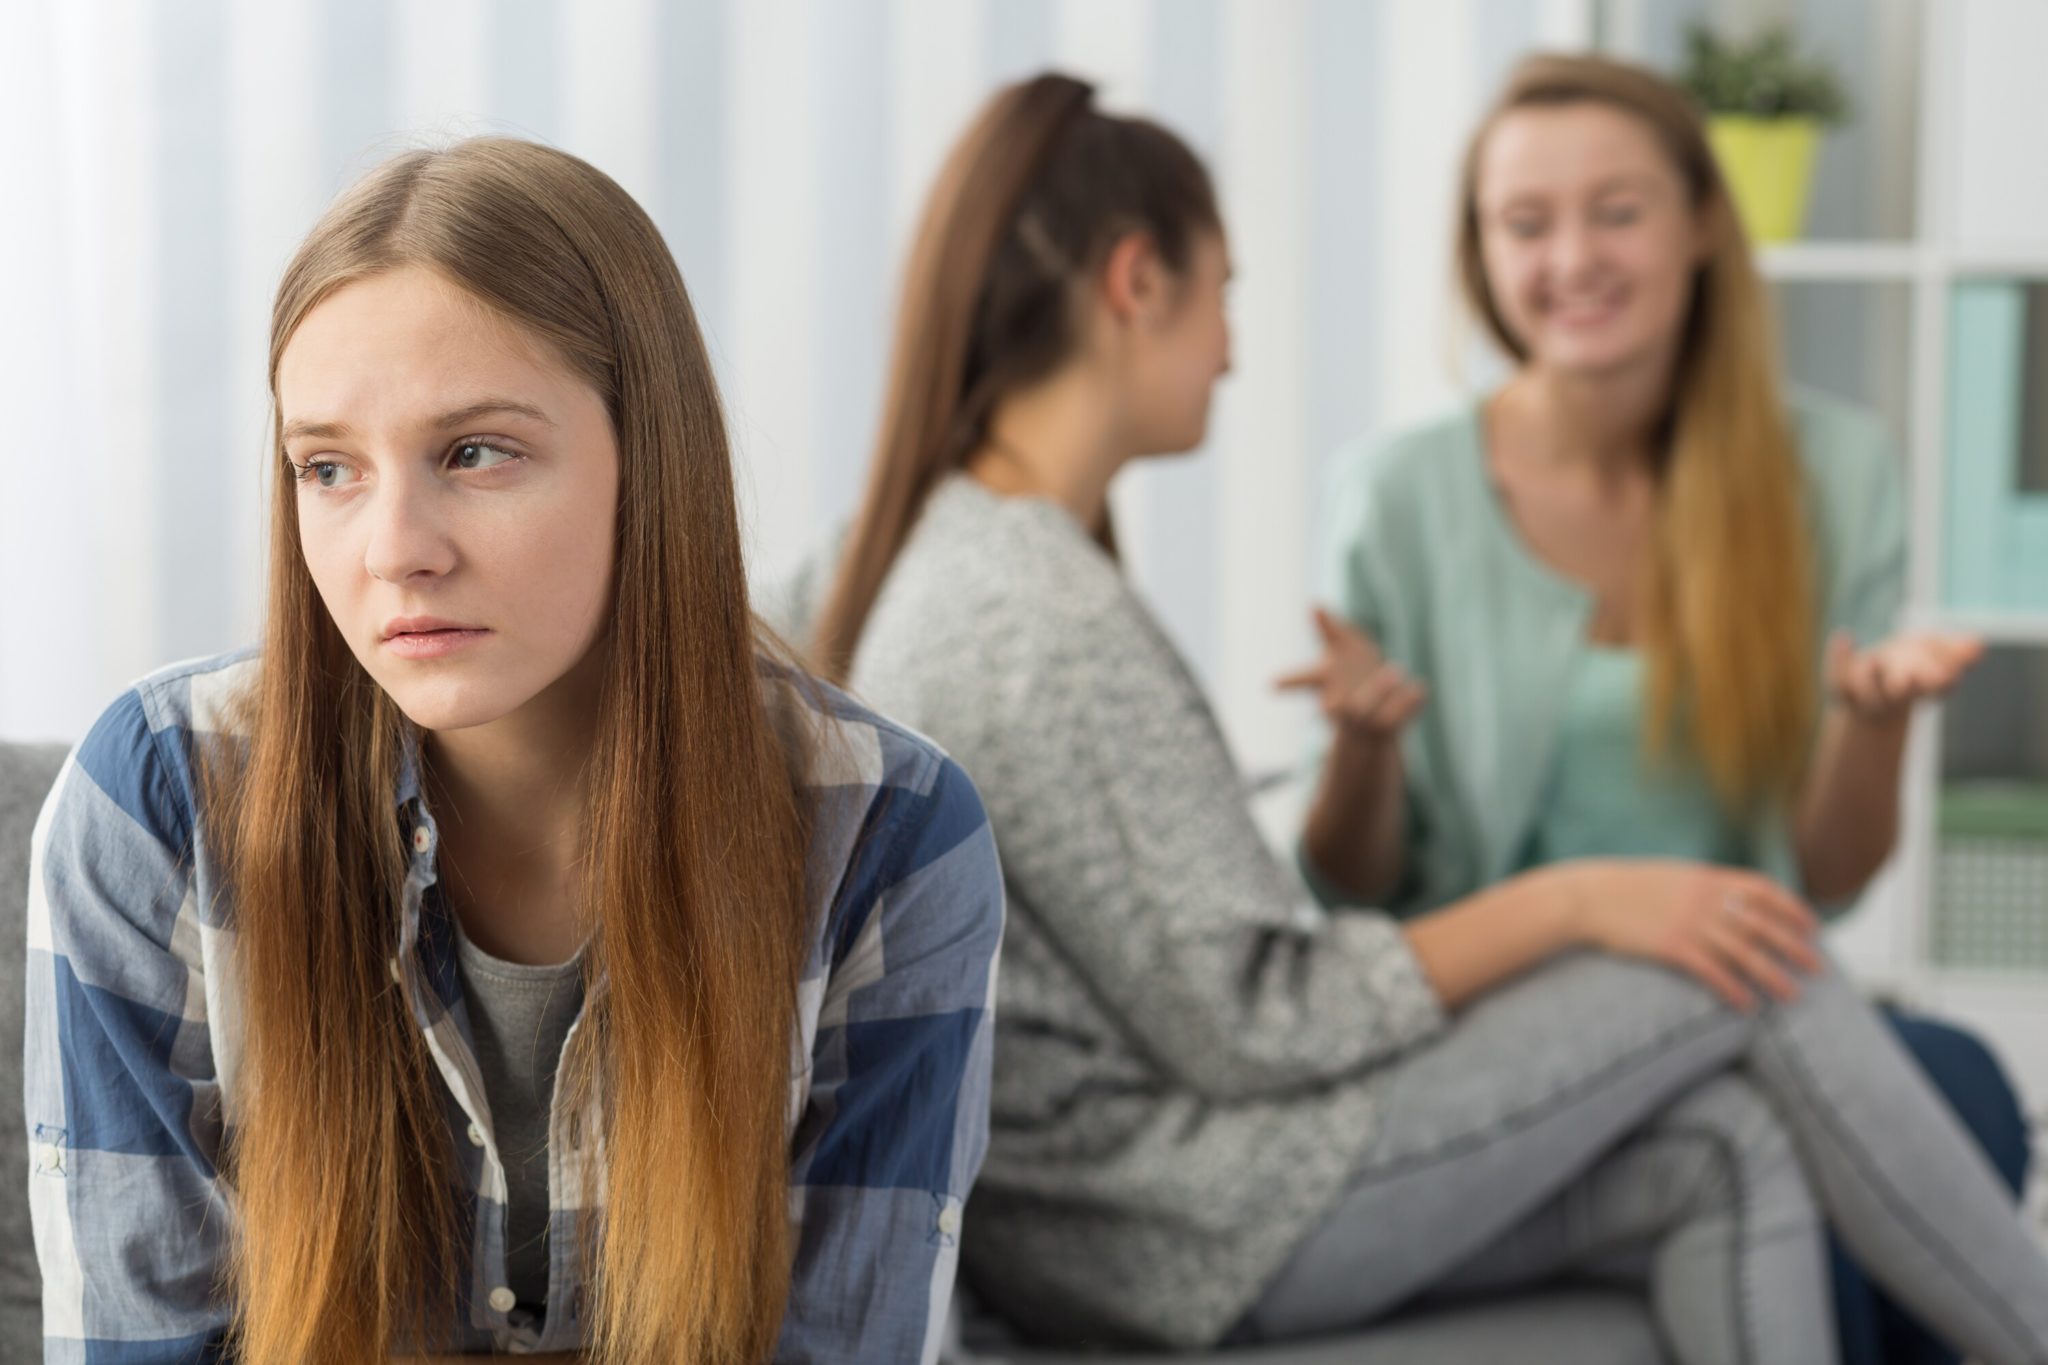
454, 417
487, 407
1624, 180
1619, 180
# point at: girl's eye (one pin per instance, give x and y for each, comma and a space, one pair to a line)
480, 455
1525, 228
1619, 215
322, 473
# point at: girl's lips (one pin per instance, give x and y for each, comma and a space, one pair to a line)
432, 644
1585, 312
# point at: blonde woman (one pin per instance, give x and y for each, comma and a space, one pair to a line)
508, 954
1638, 602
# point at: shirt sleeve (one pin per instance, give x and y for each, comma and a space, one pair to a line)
119, 1097
1355, 582
896, 1121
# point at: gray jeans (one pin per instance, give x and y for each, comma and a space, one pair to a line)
1601, 1114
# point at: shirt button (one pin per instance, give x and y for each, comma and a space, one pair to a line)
949, 1221
503, 1299
476, 1136
421, 840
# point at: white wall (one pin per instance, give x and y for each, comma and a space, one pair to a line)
174, 154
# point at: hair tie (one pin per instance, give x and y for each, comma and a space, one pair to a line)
1039, 245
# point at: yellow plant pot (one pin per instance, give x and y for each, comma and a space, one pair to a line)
1768, 163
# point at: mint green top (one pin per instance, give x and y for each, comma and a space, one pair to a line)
1605, 797
1417, 549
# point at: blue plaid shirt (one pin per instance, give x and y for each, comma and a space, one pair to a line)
133, 1034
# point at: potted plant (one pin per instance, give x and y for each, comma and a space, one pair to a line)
1766, 107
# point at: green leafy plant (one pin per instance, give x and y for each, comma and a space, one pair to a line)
1764, 77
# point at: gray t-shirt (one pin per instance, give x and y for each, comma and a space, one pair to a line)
519, 1016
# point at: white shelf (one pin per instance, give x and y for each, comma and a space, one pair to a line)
1878, 262
1897, 262
1998, 628
2024, 261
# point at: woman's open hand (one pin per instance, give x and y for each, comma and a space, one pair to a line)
1737, 931
1882, 683
1362, 693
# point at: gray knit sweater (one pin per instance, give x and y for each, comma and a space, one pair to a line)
1185, 1048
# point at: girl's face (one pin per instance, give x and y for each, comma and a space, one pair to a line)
458, 485
1588, 237
1181, 348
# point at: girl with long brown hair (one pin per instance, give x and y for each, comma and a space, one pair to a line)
510, 953
1649, 594
1219, 1111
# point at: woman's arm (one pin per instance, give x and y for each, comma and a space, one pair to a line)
1473, 945
1735, 931
895, 1120
1847, 817
120, 1098
1355, 838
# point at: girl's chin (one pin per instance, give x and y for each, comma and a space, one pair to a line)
1586, 355
441, 710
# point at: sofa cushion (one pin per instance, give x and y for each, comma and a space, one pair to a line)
26, 772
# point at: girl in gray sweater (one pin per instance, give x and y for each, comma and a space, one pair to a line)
1221, 1113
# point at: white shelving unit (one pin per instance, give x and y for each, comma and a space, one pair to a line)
2000, 628
1852, 262
1947, 125
2011, 1008
1894, 263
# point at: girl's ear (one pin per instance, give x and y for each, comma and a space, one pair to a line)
1132, 277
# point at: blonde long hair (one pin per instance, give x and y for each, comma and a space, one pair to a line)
343, 1172
1726, 613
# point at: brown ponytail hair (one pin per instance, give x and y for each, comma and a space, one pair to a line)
349, 1231
1028, 204
1727, 610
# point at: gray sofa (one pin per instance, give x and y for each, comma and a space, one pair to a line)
1582, 1327
26, 772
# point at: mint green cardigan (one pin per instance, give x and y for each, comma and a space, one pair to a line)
1417, 550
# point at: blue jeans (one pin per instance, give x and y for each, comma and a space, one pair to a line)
1874, 1330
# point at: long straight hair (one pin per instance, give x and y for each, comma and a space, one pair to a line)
341, 1164
1027, 205
1726, 610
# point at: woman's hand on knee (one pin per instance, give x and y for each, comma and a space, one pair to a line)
1736, 931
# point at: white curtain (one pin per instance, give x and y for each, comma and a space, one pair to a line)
162, 159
